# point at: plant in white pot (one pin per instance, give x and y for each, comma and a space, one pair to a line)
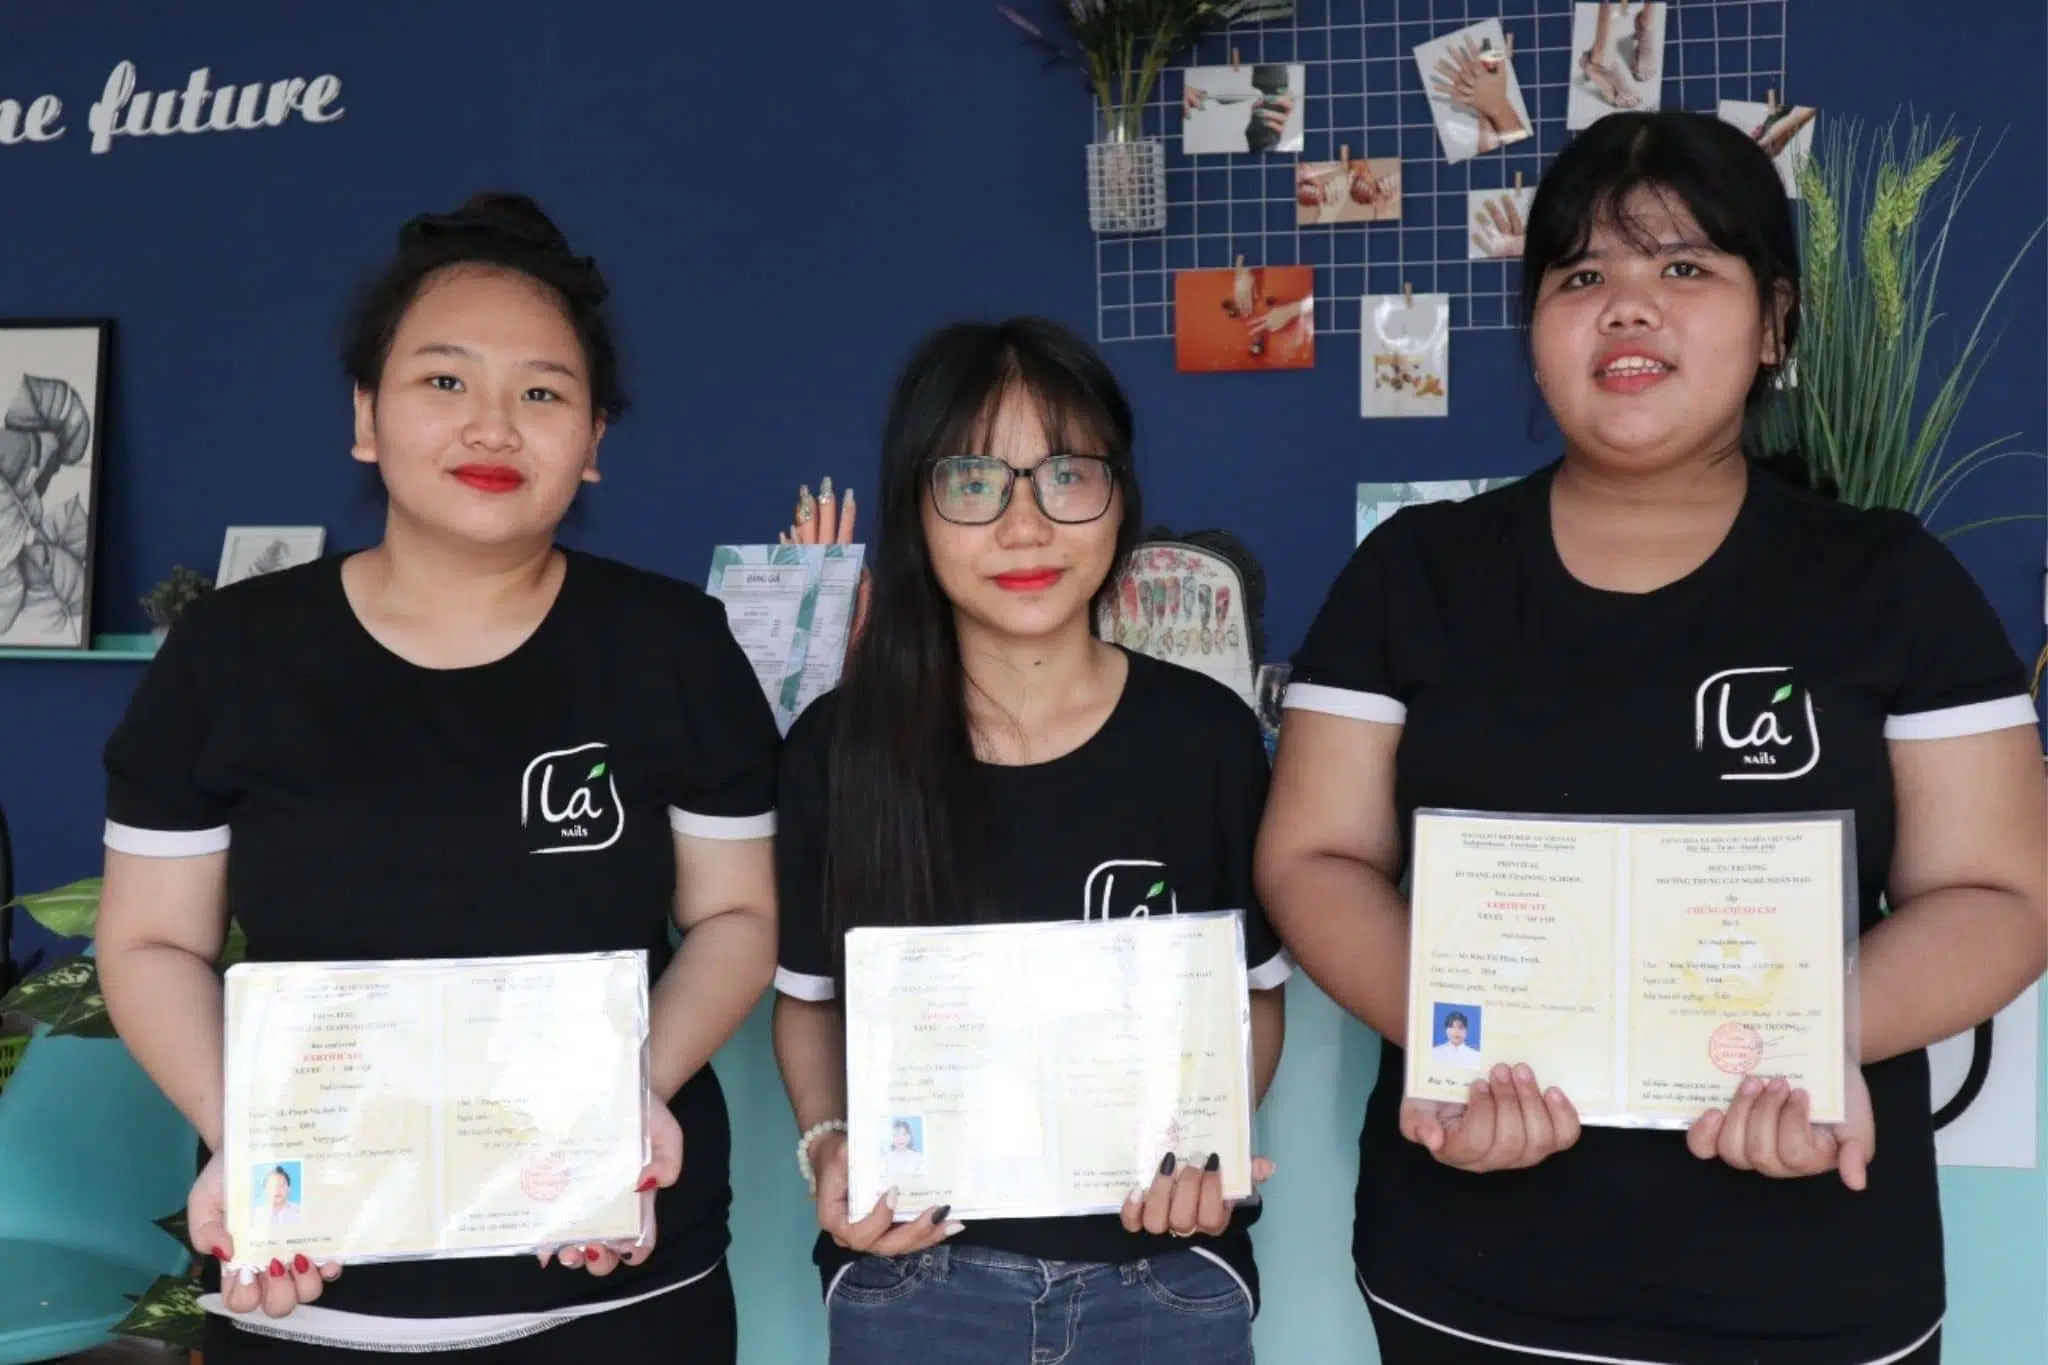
1121, 47
1880, 372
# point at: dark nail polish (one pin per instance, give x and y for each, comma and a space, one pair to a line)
1166, 1166
301, 1264
276, 1266
1214, 1163
939, 1213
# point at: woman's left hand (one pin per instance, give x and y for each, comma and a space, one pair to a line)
665, 1137
1185, 1199
1769, 1128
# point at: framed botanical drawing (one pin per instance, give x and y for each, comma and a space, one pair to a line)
1197, 600
53, 380
249, 551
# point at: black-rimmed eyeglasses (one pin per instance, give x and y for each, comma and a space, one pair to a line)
974, 490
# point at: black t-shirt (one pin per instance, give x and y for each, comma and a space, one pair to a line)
1521, 689
372, 808
1156, 813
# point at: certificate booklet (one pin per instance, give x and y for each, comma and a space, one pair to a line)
791, 609
1642, 967
1039, 1070
415, 1109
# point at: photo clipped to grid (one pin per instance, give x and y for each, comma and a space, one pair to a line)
1373, 170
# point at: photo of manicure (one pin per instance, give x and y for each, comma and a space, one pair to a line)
1251, 108
1785, 131
1474, 97
1246, 318
1498, 219
1405, 355
1347, 191
828, 519
1617, 61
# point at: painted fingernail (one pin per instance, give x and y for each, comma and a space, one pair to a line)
1166, 1164
890, 1198
1214, 1163
301, 1264
825, 488
649, 1183
220, 1253
248, 1275
955, 1229
939, 1213
593, 1253
276, 1266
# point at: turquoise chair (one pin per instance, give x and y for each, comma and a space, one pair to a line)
90, 1154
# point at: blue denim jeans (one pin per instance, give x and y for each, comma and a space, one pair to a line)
968, 1305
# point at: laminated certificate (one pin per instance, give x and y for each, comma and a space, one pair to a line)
1039, 1070
790, 608
1643, 967
415, 1109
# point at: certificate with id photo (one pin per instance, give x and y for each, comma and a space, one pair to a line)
408, 1110
1042, 1070
1643, 967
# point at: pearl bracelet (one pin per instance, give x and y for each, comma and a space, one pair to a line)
803, 1148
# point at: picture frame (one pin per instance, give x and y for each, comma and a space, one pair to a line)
54, 375
251, 551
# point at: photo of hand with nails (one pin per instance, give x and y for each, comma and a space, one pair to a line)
828, 520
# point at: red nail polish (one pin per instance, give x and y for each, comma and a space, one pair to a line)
593, 1253
649, 1183
301, 1264
220, 1253
276, 1266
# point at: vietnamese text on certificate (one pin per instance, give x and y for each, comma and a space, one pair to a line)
434, 1108
1643, 968
1035, 1070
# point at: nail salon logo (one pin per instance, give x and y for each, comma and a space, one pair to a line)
569, 801
1759, 722
1128, 888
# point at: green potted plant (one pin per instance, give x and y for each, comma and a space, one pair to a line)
64, 997
164, 601
1121, 47
1875, 388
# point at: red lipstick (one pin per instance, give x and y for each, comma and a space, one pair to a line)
1028, 580
490, 478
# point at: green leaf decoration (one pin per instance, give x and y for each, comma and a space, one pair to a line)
1781, 694
595, 773
1157, 887
65, 997
168, 1311
66, 911
176, 1227
236, 947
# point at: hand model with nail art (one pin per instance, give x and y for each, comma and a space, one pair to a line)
825, 520
877, 1233
665, 1140
1186, 1198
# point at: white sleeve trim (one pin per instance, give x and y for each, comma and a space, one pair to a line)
1976, 718
1271, 972
1340, 701
165, 843
802, 986
760, 826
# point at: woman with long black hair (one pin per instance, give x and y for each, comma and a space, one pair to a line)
985, 758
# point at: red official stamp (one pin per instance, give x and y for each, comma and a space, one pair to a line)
544, 1177
1735, 1048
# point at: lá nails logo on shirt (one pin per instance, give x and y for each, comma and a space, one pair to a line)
1759, 723
569, 801
1128, 888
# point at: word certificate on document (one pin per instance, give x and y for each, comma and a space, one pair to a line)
1643, 967
1043, 1070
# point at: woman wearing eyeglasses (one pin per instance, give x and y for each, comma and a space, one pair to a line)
987, 759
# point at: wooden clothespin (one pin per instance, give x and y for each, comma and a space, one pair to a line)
1770, 101
1518, 181
1233, 59
1344, 155
1240, 262
1407, 294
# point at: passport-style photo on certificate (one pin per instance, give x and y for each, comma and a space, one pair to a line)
1643, 967
421, 1109
1043, 1070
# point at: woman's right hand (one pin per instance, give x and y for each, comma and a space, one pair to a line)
1506, 1125
276, 1288
876, 1234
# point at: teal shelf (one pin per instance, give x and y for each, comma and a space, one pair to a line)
107, 648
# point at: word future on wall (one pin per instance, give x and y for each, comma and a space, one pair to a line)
198, 106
